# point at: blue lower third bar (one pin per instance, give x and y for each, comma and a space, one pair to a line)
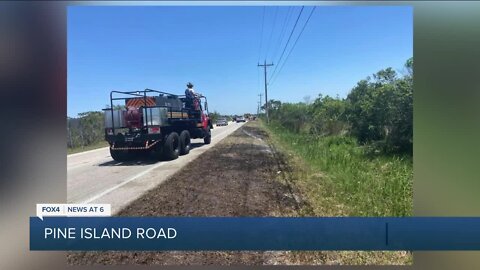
248, 233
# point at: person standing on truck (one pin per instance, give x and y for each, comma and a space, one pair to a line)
189, 92
192, 100
189, 96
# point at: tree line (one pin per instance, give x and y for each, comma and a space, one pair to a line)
86, 129
378, 111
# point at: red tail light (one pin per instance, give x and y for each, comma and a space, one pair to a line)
153, 130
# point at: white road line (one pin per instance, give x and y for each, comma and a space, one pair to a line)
87, 152
122, 183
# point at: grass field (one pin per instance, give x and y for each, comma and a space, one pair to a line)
341, 177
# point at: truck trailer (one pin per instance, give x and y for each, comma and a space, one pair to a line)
154, 122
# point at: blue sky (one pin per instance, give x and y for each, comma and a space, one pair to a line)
217, 48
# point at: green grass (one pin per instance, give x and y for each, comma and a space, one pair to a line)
87, 148
367, 184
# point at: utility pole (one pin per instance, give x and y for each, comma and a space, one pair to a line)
265, 65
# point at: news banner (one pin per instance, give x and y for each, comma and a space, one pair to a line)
91, 227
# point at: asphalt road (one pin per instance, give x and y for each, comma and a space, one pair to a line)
94, 177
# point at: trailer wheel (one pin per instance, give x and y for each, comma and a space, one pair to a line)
208, 137
184, 142
119, 155
171, 146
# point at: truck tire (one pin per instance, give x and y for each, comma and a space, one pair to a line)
171, 146
208, 137
185, 142
119, 155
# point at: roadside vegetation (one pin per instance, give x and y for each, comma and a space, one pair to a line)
85, 132
357, 150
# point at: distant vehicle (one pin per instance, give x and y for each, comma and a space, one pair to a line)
222, 122
240, 119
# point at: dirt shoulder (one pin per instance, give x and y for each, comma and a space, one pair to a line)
241, 176
232, 179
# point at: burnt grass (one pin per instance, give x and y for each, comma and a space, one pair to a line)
242, 176
237, 177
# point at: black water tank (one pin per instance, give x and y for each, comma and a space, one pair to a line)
169, 101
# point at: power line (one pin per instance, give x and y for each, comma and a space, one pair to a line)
271, 33
261, 36
282, 33
288, 41
258, 80
294, 44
